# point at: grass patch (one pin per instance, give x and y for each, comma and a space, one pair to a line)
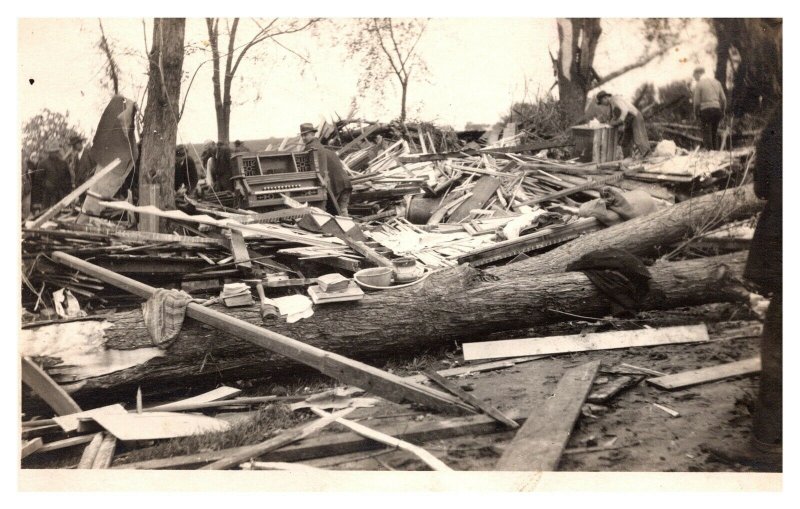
264, 423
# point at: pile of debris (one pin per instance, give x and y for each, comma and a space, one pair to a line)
400, 276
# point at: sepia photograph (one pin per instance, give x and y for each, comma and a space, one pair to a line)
310, 246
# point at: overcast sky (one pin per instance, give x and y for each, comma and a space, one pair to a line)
478, 67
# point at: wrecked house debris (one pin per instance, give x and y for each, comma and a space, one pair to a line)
449, 242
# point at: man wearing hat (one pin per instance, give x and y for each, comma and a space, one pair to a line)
709, 106
54, 174
79, 161
627, 115
331, 168
185, 170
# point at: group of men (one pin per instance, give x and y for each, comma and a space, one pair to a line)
709, 105
48, 178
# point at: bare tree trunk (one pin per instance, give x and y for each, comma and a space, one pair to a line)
404, 85
577, 38
160, 124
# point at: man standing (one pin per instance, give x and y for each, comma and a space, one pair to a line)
55, 177
185, 170
765, 269
709, 106
625, 114
80, 163
331, 168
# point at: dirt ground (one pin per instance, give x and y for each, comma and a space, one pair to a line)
647, 438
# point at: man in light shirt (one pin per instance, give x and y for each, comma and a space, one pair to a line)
709, 106
623, 113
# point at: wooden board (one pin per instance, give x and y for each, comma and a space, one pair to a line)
69, 423
239, 249
30, 446
67, 442
218, 394
40, 382
157, 425
538, 445
576, 343
484, 189
710, 374
472, 400
605, 392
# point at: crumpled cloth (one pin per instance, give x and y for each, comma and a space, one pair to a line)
163, 315
621, 276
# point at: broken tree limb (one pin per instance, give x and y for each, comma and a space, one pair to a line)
344, 369
457, 306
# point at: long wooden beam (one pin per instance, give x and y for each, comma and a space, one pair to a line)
344, 369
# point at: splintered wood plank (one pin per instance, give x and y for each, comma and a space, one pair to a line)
239, 249
218, 394
40, 382
426, 457
577, 343
472, 400
710, 374
606, 392
538, 444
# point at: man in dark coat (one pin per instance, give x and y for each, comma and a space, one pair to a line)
185, 170
331, 168
765, 269
80, 162
55, 176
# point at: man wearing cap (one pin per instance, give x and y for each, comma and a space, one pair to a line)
709, 106
627, 115
54, 174
331, 168
79, 161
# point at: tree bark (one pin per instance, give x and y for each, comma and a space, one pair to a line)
573, 67
458, 306
160, 123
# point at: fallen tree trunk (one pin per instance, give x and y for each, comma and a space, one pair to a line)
459, 306
644, 235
